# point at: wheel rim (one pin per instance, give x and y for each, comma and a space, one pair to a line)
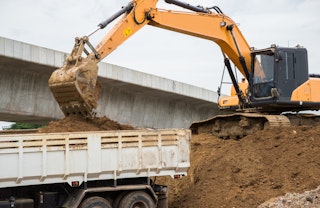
139, 205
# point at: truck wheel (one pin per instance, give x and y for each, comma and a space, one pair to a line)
137, 199
95, 202
116, 201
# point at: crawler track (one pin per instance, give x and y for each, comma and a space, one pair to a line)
238, 125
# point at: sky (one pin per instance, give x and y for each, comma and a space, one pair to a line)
55, 23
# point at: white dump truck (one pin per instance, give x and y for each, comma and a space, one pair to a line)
102, 169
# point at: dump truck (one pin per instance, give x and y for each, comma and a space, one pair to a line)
101, 169
276, 79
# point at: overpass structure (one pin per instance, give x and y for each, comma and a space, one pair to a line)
128, 96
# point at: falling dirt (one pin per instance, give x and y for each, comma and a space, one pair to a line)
245, 173
75, 123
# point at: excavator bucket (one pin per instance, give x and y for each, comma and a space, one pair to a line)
75, 87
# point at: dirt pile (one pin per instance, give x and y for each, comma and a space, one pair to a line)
241, 173
245, 173
74, 123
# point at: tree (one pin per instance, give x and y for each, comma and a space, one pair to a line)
24, 126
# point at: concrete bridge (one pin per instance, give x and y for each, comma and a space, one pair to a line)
128, 96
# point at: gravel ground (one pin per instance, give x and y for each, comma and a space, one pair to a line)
308, 199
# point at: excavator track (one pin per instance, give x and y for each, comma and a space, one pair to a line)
304, 119
238, 125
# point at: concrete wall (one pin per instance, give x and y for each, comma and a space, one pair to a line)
152, 111
128, 96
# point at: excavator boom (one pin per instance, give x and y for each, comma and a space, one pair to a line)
75, 86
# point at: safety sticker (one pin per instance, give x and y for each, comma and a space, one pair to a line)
127, 32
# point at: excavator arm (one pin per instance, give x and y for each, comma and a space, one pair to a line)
208, 25
75, 85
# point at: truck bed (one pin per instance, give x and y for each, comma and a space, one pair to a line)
42, 158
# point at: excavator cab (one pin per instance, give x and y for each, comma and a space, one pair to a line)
276, 73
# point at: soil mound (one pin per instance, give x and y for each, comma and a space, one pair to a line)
241, 173
245, 173
75, 123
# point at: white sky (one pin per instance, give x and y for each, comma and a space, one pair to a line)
55, 23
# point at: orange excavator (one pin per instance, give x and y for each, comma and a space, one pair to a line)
276, 78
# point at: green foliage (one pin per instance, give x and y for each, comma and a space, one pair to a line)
24, 126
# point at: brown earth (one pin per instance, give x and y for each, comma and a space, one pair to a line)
247, 172
74, 123
236, 173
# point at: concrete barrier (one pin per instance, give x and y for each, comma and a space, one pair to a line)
128, 96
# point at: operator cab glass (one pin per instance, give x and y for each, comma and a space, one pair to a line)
263, 74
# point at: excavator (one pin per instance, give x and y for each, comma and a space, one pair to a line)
276, 79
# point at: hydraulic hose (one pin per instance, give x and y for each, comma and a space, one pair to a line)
187, 6
116, 15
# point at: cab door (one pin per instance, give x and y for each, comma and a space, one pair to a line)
286, 75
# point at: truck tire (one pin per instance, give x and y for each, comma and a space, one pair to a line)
95, 202
137, 199
117, 200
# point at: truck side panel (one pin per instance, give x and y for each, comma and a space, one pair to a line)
33, 159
